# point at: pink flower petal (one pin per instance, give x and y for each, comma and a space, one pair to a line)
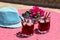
36, 10
42, 12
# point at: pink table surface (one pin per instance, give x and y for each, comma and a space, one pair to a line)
53, 34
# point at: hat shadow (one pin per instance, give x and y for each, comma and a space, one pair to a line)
7, 27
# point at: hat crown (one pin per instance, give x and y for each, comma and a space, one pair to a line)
9, 15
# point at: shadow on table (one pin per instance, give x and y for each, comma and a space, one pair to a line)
20, 36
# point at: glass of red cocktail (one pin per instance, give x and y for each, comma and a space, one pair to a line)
28, 28
44, 25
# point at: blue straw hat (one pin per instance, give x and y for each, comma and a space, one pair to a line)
9, 17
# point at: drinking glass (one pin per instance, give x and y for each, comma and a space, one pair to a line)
27, 29
43, 25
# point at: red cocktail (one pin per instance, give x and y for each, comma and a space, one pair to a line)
44, 25
28, 27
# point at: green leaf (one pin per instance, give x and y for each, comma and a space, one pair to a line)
27, 14
38, 15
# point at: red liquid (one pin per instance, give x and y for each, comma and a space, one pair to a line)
44, 26
27, 29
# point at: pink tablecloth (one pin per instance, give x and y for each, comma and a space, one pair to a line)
54, 34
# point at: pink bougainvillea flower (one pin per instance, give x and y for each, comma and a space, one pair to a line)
36, 10
42, 12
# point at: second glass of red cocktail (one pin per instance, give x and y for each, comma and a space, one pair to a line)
44, 23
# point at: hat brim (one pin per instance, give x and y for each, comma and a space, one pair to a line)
12, 26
